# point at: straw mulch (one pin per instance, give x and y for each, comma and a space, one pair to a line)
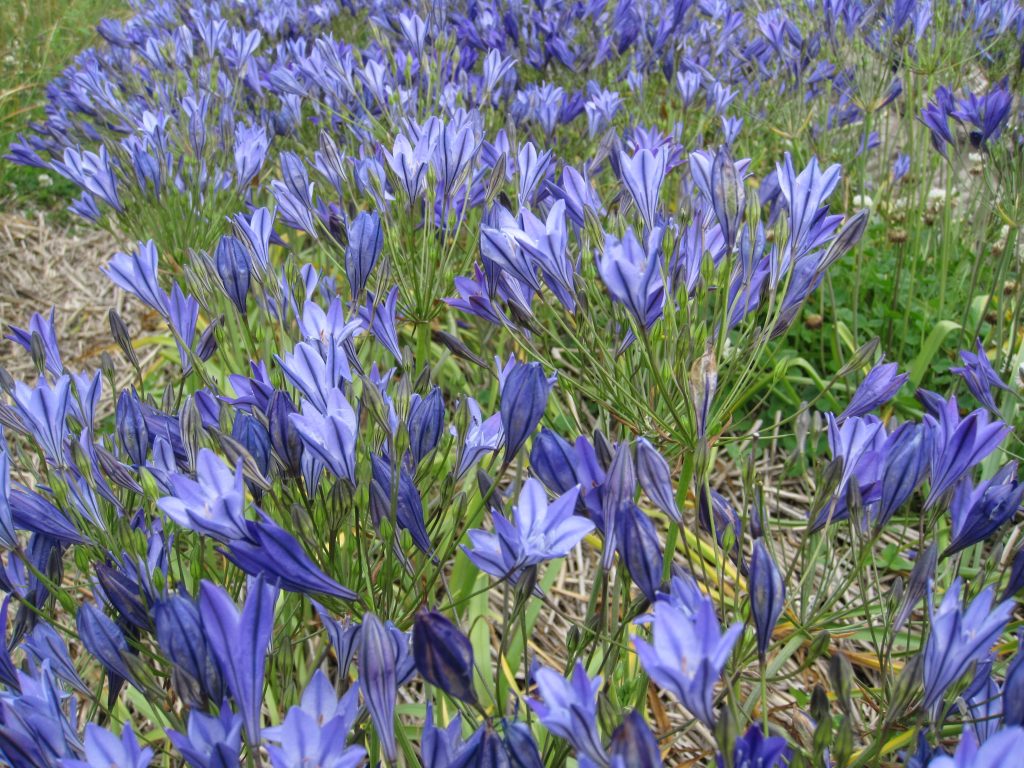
43, 266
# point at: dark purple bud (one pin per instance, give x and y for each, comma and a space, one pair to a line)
1013, 688
232, 260
639, 548
656, 478
365, 243
484, 749
1016, 581
179, 633
207, 344
124, 594
131, 427
522, 747
444, 656
254, 437
104, 640
284, 439
426, 421
378, 681
715, 513
552, 460
633, 745
409, 506
524, 397
767, 594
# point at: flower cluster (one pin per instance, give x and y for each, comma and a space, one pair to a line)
321, 528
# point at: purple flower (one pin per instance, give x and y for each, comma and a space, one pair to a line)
1002, 749
805, 196
380, 319
137, 274
8, 536
47, 334
211, 741
636, 540
408, 504
482, 436
424, 423
315, 732
633, 745
958, 445
546, 242
643, 174
43, 410
250, 151
980, 376
935, 118
656, 478
275, 555
183, 313
978, 512
958, 638
986, 114
755, 750
239, 641
1013, 687
632, 274
315, 374
179, 632
538, 531
878, 388
568, 708
256, 232
688, 653
103, 749
232, 262
329, 434
213, 504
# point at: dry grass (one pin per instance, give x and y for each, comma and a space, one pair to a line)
43, 267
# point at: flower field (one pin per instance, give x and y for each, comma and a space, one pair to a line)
598, 383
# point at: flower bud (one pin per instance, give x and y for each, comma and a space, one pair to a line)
639, 549
365, 243
444, 656
232, 262
524, 397
767, 594
378, 680
552, 460
284, 439
633, 745
426, 420
1013, 688
131, 427
656, 478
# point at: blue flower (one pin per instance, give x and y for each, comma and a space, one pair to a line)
568, 708
213, 504
103, 749
959, 637
539, 531
688, 653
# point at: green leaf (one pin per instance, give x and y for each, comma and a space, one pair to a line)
928, 351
